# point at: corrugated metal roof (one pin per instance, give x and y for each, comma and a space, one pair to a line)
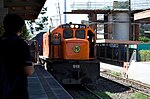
28, 9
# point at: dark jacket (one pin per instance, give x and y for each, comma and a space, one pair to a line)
15, 54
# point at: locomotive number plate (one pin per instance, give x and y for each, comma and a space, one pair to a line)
76, 66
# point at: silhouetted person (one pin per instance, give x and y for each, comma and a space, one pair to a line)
15, 57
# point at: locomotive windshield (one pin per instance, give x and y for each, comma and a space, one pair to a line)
80, 34
68, 34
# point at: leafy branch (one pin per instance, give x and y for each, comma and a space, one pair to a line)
40, 22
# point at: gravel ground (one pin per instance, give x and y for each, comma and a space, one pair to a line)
106, 89
112, 90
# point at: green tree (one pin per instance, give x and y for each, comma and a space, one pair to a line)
142, 37
25, 33
40, 22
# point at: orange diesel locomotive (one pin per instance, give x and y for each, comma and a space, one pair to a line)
69, 52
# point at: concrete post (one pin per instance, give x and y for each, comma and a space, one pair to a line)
93, 18
137, 30
106, 31
127, 53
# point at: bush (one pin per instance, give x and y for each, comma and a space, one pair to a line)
144, 39
144, 55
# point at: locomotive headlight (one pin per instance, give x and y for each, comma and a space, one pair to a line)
76, 26
72, 26
56, 35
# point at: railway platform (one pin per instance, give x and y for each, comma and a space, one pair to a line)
139, 71
106, 66
42, 85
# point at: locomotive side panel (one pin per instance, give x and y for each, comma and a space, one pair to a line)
46, 45
55, 43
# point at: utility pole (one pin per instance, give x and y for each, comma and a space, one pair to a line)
65, 11
59, 12
130, 32
130, 26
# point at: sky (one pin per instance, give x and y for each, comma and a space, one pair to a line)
53, 9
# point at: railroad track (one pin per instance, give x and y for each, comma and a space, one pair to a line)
134, 85
97, 96
81, 92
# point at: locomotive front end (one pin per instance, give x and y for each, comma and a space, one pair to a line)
72, 54
75, 49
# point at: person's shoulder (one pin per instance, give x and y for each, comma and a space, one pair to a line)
23, 42
19, 41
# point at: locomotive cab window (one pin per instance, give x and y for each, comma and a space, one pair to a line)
68, 34
80, 34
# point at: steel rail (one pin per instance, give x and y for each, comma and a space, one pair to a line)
135, 85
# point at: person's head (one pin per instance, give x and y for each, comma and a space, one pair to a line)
13, 23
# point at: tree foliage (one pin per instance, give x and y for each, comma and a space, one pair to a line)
142, 36
144, 55
144, 39
43, 21
25, 33
40, 22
